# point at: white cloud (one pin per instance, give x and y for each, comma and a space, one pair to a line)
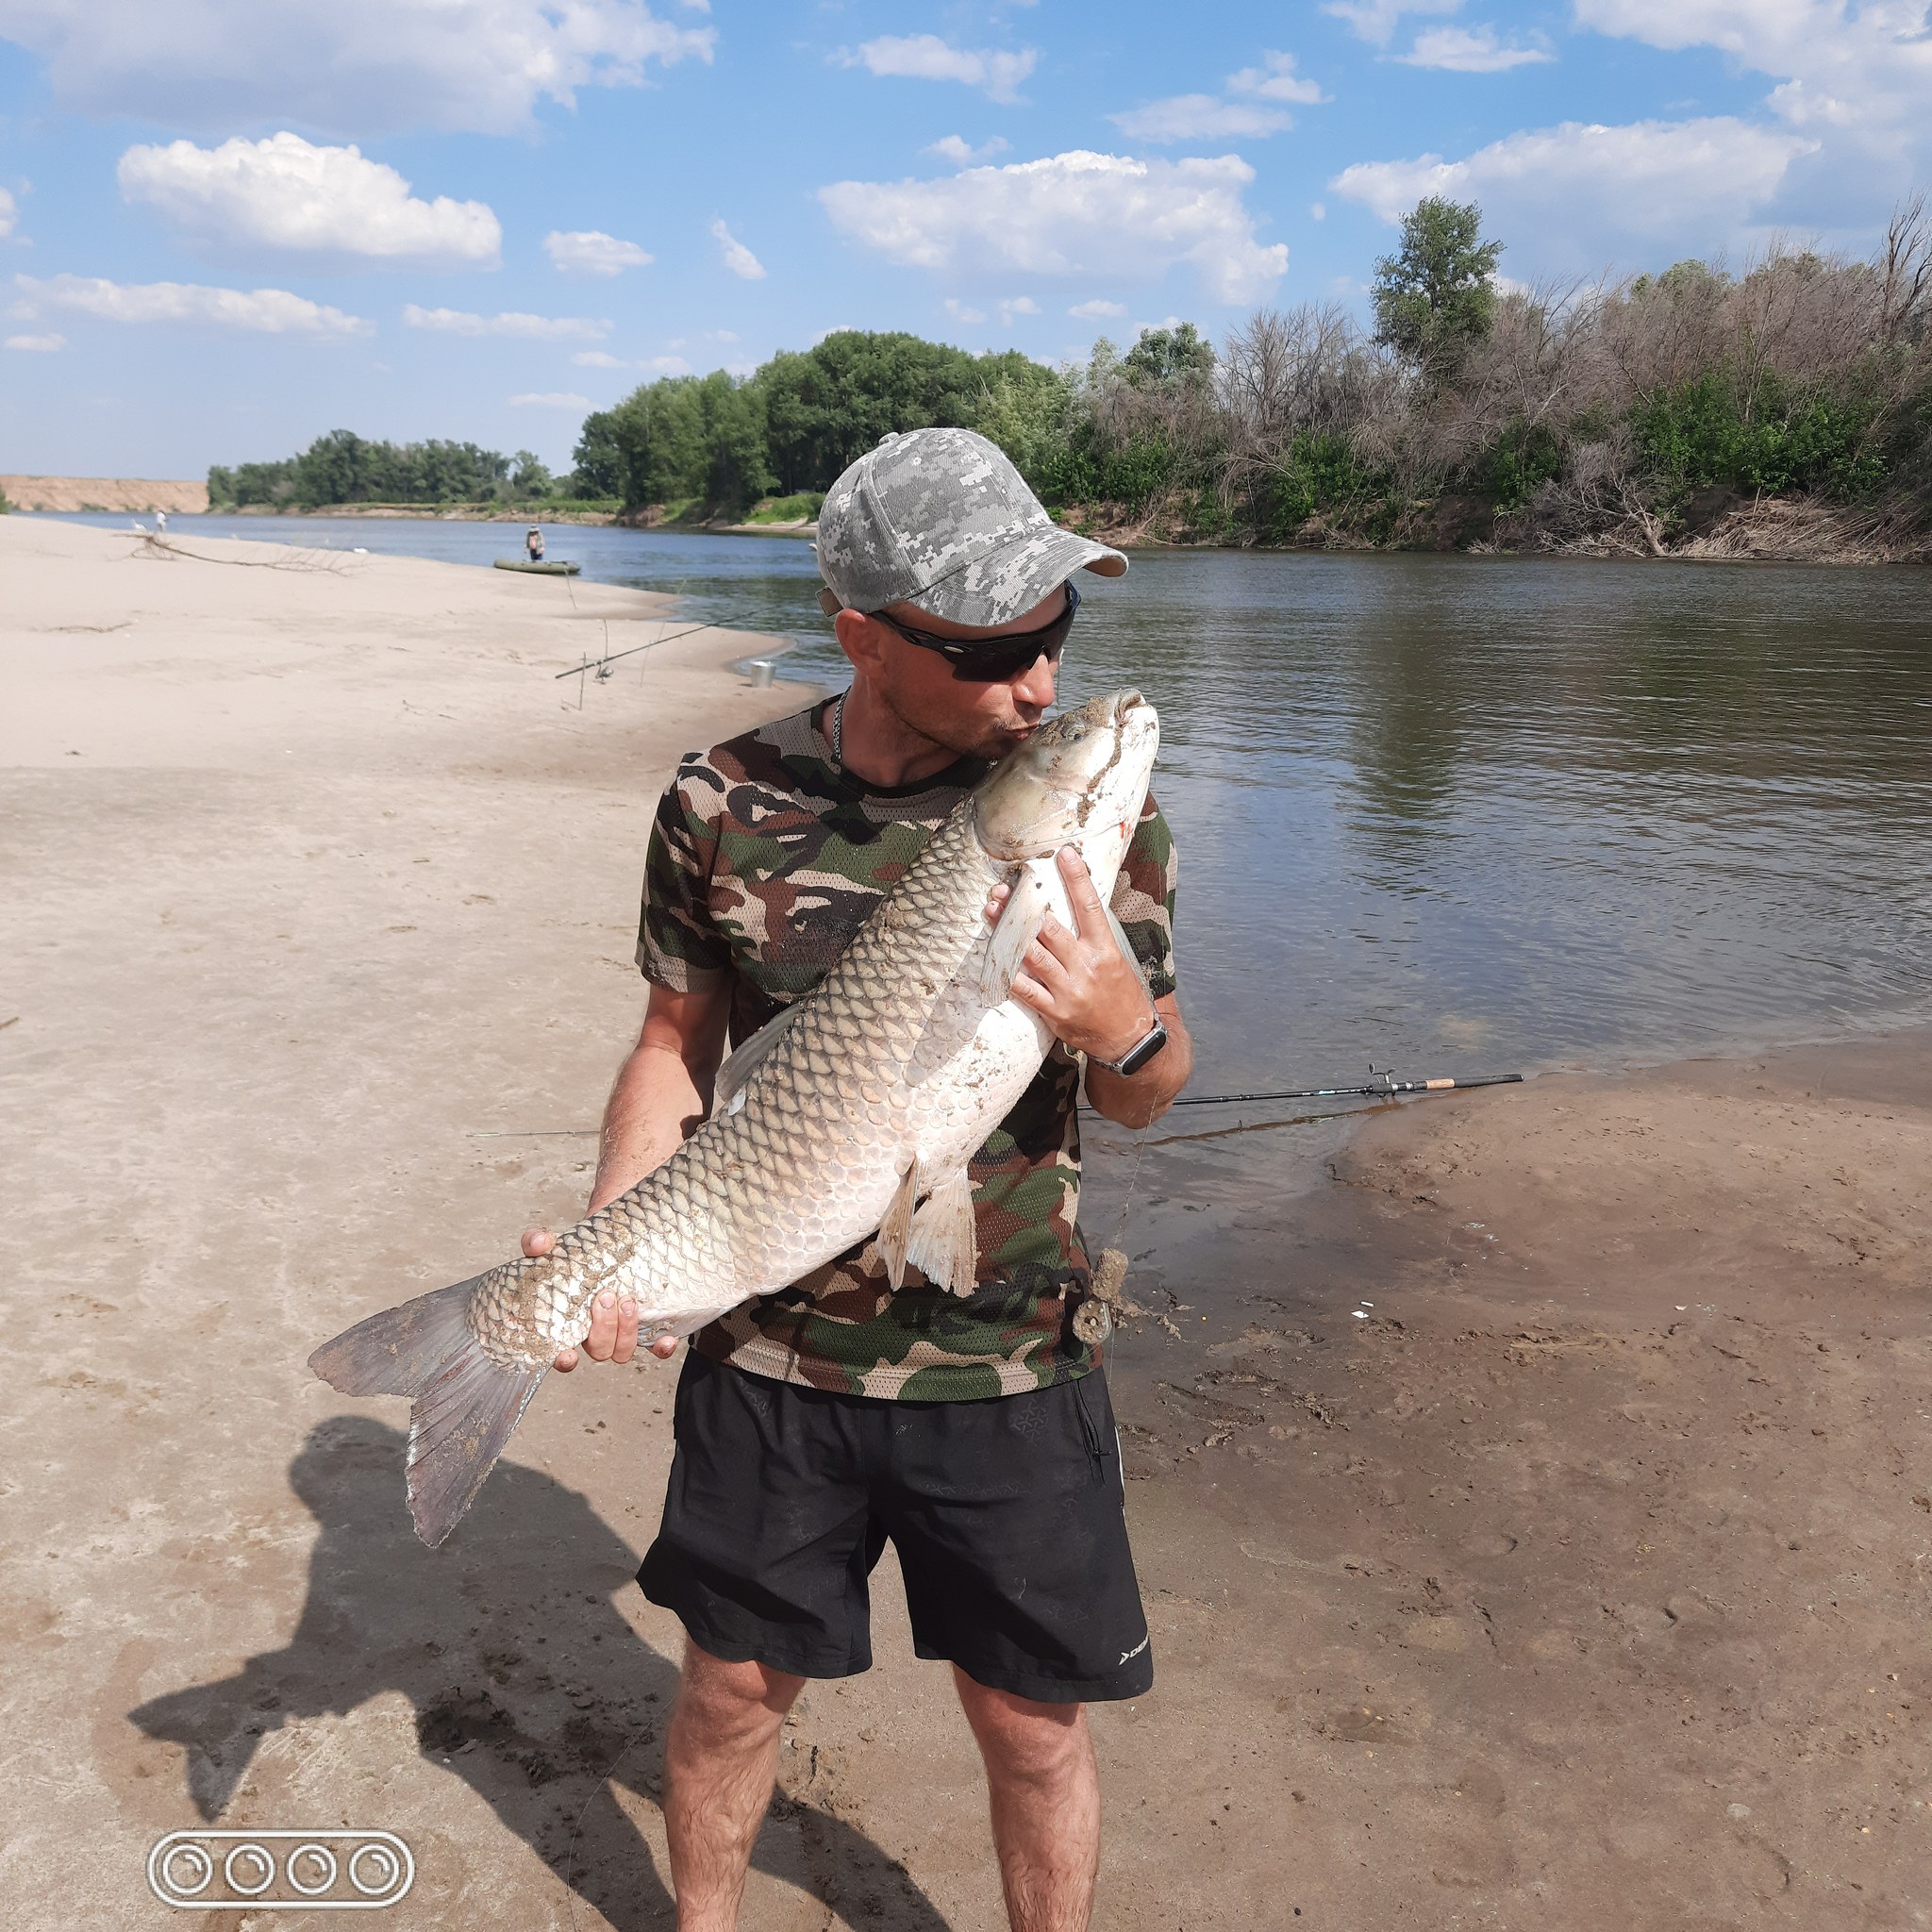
1103, 217
596, 359
590, 252
926, 56
549, 399
39, 345
1578, 193
286, 194
1200, 117
1470, 50
666, 365
1276, 80
738, 258
1210, 117
1375, 21
1009, 308
1867, 69
10, 213
350, 66
1092, 311
962, 154
265, 311
458, 322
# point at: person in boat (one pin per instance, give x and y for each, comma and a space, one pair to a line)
534, 545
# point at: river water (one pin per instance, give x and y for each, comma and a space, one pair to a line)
1464, 815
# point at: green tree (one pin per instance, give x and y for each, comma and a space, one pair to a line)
826, 407
1028, 410
530, 478
1170, 358
1437, 293
598, 460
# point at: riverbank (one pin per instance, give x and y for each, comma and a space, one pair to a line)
1715, 527
524, 515
1476, 1609
1725, 529
317, 873
1545, 1521
177, 497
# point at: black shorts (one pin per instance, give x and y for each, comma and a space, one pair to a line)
1007, 1515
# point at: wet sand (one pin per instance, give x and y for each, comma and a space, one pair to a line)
1582, 1581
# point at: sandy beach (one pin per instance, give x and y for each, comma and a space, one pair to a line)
1535, 1518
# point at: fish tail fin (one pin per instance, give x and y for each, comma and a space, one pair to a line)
465, 1404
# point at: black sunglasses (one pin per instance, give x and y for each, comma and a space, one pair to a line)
986, 661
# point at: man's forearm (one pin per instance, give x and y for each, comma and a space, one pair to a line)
654, 1108
1137, 1100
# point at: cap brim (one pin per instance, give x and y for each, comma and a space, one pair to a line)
1006, 582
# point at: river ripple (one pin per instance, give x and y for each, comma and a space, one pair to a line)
1467, 814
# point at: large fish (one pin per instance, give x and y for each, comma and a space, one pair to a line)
857, 1109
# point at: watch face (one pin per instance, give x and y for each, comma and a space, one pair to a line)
1143, 1051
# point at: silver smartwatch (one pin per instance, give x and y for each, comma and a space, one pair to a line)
1140, 1052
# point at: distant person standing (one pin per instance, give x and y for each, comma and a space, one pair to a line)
161, 522
534, 545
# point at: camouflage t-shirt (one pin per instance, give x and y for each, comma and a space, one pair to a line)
765, 859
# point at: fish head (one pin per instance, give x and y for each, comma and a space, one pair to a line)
1079, 780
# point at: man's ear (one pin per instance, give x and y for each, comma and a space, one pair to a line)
860, 639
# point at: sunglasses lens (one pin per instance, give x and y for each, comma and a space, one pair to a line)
1005, 658
1010, 656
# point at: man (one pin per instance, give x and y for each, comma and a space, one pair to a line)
534, 545
815, 1424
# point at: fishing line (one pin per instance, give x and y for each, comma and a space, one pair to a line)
570, 1857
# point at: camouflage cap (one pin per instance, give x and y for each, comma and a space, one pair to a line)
941, 518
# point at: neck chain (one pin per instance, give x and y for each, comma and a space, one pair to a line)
839, 729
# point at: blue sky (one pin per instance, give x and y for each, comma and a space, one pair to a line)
227, 225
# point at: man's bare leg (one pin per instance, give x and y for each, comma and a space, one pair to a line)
721, 1761
1045, 1790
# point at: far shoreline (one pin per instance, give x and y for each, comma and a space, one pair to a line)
1722, 546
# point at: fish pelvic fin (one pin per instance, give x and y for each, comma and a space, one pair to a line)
465, 1405
945, 1245
895, 1230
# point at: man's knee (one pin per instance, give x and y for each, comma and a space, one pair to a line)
1019, 1736
739, 1702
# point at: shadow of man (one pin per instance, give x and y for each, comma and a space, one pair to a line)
526, 1680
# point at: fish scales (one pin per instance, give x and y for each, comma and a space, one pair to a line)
876, 1090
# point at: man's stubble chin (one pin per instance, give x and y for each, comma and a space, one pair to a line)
965, 734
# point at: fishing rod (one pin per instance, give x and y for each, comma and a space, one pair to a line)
597, 664
1379, 1087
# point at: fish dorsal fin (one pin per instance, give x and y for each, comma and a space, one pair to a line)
734, 1077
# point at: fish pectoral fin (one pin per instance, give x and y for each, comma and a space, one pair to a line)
734, 1077
895, 1230
1019, 926
944, 1245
